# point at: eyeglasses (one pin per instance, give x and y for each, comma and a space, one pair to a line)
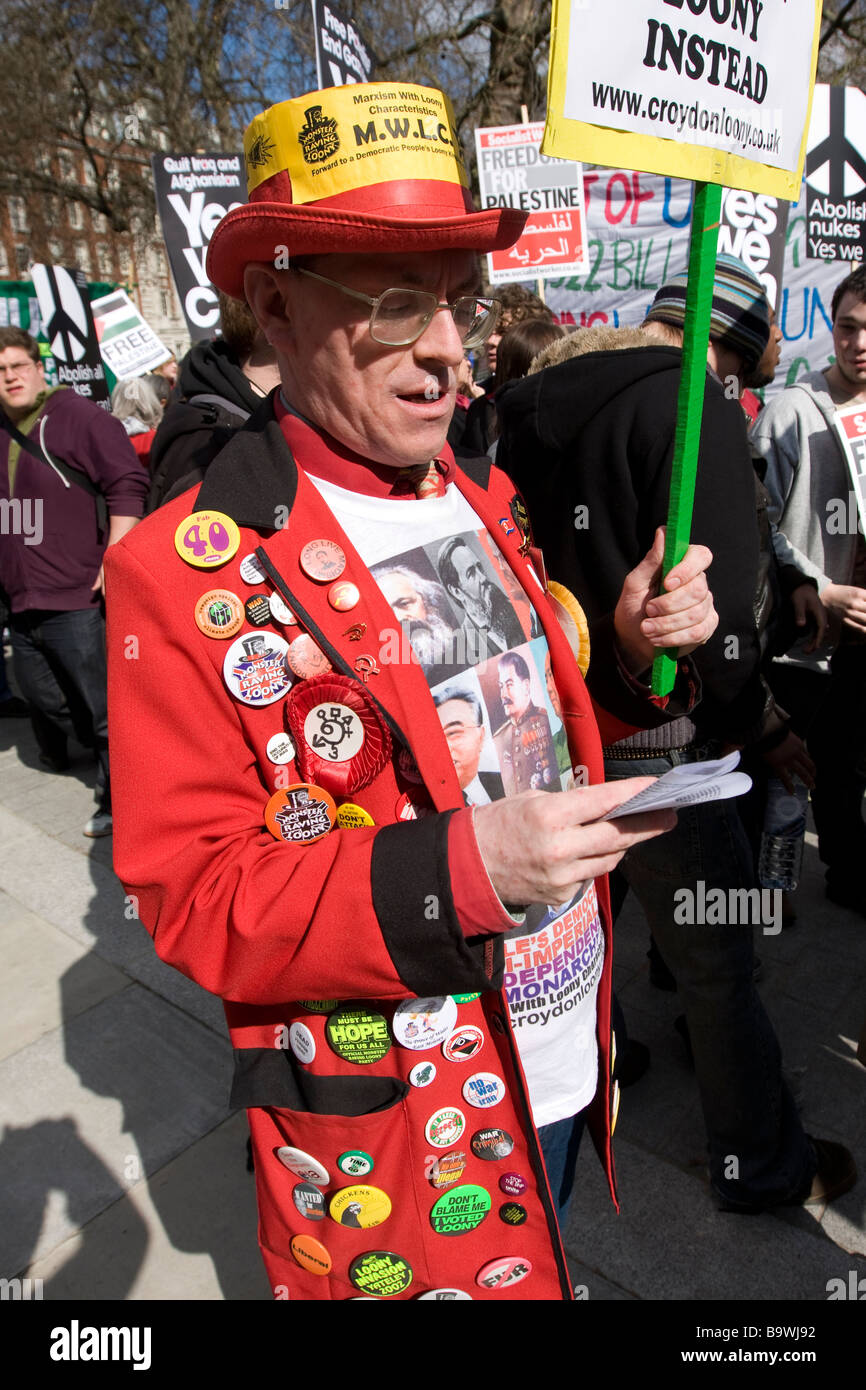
399, 317
17, 368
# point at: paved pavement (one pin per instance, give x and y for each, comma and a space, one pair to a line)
123, 1173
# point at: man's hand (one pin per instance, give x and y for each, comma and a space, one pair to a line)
809, 608
789, 759
682, 618
540, 846
847, 602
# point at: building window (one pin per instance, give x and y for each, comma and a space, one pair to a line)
18, 214
22, 258
4, 264
75, 213
58, 252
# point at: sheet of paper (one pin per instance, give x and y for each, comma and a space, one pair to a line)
688, 785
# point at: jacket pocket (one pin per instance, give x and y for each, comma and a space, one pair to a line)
270, 1077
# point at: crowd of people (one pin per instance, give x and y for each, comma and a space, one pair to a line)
424, 666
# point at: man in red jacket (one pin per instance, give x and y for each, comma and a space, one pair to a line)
293, 824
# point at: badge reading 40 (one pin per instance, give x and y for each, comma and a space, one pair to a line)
207, 539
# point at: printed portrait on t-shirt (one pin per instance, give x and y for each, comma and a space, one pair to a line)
516, 703
487, 621
467, 732
411, 585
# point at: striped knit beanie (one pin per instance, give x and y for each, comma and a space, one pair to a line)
740, 316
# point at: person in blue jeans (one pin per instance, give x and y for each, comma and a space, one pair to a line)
588, 437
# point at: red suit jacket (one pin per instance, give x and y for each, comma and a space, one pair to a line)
266, 924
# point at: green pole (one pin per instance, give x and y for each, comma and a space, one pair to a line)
690, 402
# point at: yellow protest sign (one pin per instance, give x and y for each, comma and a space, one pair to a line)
712, 90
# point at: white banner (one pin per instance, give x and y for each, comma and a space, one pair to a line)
512, 172
730, 75
638, 237
128, 344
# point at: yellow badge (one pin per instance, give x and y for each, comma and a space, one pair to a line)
362, 134
206, 539
572, 620
352, 817
360, 1206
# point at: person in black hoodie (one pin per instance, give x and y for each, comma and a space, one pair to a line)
589, 440
220, 384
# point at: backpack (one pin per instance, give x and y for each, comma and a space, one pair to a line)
190, 435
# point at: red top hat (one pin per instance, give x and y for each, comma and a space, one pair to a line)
366, 168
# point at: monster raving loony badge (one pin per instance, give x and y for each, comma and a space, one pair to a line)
255, 668
300, 814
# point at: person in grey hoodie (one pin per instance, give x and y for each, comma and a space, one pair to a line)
825, 690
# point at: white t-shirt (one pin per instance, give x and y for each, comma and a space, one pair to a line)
462, 609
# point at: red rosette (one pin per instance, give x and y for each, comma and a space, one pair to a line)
341, 739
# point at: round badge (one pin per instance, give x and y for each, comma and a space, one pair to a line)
491, 1144
319, 1006
380, 1273
306, 658
251, 571
302, 1042
304, 1166
258, 610
322, 561
255, 668
358, 1035
355, 1163
422, 1023
512, 1213
513, 1183
410, 808
352, 817
206, 539
422, 1074
300, 814
311, 1254
484, 1089
447, 1169
219, 613
445, 1127
334, 731
280, 610
280, 749
310, 1201
344, 596
501, 1274
443, 1294
464, 998
463, 1043
461, 1209
360, 1207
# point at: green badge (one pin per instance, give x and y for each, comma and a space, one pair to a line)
380, 1273
358, 1035
464, 998
355, 1163
319, 1006
461, 1209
